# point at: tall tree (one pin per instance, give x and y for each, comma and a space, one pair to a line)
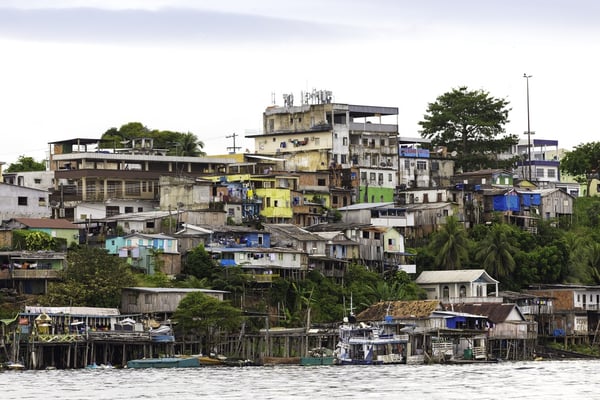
583, 163
25, 164
203, 315
470, 122
495, 251
450, 244
92, 278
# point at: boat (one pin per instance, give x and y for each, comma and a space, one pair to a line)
270, 361
14, 366
318, 356
365, 344
178, 362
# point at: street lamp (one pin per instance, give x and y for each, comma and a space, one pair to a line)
528, 129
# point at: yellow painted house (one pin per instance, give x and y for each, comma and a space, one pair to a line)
277, 204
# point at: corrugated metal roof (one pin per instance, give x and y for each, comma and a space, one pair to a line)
173, 290
495, 312
364, 206
89, 311
47, 223
451, 276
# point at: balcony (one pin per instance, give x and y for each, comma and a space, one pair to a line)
261, 278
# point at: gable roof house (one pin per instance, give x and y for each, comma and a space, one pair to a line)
458, 286
56, 228
506, 320
158, 302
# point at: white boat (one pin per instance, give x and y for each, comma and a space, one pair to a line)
369, 344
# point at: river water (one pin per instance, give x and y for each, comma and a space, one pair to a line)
567, 379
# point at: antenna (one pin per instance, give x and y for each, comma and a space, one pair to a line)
234, 148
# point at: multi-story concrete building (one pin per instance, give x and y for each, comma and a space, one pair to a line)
357, 144
85, 174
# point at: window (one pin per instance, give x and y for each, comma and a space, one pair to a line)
268, 202
148, 298
382, 142
372, 176
128, 210
132, 188
344, 159
390, 177
321, 182
363, 176
551, 173
140, 209
365, 234
462, 292
231, 211
539, 172
406, 164
37, 181
391, 242
22, 201
377, 236
132, 299
345, 141
421, 165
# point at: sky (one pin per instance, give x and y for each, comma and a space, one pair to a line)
76, 68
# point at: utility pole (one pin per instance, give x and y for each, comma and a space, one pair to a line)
234, 148
528, 129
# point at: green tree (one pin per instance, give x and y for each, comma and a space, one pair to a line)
176, 143
450, 244
25, 164
33, 240
200, 264
583, 163
470, 122
187, 144
202, 315
92, 278
495, 251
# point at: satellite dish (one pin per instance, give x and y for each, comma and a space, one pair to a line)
454, 153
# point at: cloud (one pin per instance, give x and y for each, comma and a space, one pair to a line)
165, 25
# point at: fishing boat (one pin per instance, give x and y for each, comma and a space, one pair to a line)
369, 344
176, 362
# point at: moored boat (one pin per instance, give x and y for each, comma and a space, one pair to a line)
318, 356
369, 344
176, 362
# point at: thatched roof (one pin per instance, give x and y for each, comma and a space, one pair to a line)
400, 310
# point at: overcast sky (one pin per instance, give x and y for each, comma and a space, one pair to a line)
77, 68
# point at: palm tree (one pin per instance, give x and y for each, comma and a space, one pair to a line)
450, 244
592, 255
495, 251
189, 145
